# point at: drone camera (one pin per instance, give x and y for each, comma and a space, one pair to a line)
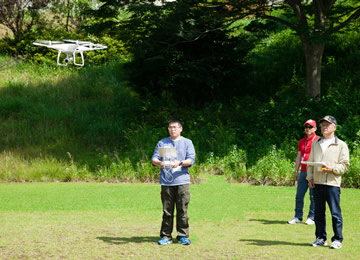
68, 59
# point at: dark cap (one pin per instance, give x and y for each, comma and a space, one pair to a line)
329, 119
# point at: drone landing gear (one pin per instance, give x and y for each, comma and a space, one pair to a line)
70, 58
82, 59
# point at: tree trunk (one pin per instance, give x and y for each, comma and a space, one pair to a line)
68, 8
313, 59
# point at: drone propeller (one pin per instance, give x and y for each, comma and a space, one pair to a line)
91, 47
47, 43
76, 42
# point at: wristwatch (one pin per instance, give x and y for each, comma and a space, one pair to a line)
181, 163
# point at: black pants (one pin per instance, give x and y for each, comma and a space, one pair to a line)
172, 196
331, 195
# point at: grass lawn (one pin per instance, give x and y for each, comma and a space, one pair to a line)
114, 221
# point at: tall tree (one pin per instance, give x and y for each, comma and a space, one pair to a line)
314, 21
71, 13
179, 50
20, 15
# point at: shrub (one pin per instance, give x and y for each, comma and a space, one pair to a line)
273, 169
351, 178
232, 165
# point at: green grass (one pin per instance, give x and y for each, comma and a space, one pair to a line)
114, 221
65, 116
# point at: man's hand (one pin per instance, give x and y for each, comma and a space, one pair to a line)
326, 169
157, 162
311, 184
176, 163
296, 176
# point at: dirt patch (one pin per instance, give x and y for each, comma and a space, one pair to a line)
4, 31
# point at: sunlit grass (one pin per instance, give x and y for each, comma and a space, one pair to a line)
33, 74
50, 112
114, 221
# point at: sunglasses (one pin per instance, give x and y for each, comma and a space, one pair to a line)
309, 126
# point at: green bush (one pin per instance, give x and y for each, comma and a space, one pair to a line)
275, 62
6, 48
351, 178
341, 56
232, 165
273, 169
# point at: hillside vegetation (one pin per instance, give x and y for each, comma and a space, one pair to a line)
70, 124
239, 89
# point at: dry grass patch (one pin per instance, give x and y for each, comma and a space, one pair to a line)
4, 31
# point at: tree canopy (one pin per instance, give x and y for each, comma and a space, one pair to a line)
194, 50
162, 34
20, 15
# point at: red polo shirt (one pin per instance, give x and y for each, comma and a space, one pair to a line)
305, 147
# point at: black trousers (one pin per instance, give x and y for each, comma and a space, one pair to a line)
171, 197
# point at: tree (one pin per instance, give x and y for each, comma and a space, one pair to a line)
314, 21
179, 52
20, 15
70, 13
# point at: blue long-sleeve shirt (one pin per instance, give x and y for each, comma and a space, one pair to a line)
185, 150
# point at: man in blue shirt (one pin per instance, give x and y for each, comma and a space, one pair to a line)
175, 180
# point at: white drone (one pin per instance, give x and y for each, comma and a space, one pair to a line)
70, 48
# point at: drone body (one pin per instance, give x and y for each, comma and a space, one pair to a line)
70, 48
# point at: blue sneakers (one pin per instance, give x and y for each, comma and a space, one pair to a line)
164, 241
184, 240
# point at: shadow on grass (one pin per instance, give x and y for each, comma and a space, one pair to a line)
268, 222
259, 242
125, 240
